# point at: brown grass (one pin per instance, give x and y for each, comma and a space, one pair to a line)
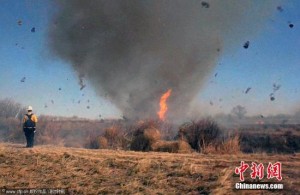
171, 146
229, 146
85, 171
103, 143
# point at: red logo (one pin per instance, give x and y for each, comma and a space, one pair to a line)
257, 170
240, 170
274, 170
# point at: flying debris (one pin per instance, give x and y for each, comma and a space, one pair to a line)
211, 103
52, 101
33, 30
59, 89
82, 87
88, 107
261, 116
23, 79
291, 25
247, 90
124, 118
279, 8
46, 106
276, 87
88, 101
99, 115
19, 22
78, 102
216, 74
246, 45
205, 4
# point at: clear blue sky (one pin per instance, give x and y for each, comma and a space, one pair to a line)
273, 57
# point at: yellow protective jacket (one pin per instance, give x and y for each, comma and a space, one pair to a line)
33, 118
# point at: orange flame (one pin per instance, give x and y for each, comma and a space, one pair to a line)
163, 105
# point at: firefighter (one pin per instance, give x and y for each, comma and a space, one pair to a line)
29, 126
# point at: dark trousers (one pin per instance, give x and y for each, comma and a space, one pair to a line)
29, 134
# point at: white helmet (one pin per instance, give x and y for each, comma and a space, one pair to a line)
29, 108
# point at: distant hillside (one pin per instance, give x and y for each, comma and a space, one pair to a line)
85, 171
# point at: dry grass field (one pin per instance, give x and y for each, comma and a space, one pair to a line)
85, 171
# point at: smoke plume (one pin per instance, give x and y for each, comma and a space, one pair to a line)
133, 51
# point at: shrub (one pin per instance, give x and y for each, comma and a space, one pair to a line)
11, 130
48, 133
152, 134
103, 143
92, 143
144, 134
285, 142
144, 139
140, 143
112, 134
10, 108
115, 137
199, 134
98, 142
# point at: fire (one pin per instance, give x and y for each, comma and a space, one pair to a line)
163, 105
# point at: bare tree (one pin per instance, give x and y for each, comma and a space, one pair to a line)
10, 108
239, 111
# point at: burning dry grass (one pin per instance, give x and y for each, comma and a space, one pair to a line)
85, 171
